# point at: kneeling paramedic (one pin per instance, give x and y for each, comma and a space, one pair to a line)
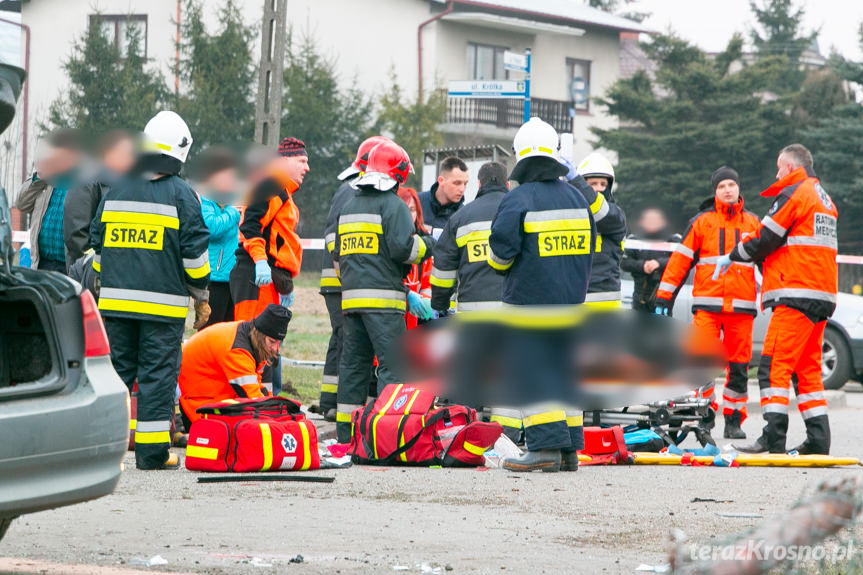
798, 244
724, 306
225, 360
542, 239
375, 245
151, 253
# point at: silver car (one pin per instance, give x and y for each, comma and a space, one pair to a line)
842, 352
64, 412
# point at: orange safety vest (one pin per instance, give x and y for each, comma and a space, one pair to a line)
218, 364
802, 272
715, 231
268, 230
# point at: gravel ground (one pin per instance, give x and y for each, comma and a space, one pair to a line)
604, 520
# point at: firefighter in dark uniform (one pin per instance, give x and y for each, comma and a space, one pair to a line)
543, 238
461, 265
151, 255
594, 179
376, 242
331, 286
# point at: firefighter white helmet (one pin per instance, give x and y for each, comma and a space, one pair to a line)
536, 138
166, 133
597, 166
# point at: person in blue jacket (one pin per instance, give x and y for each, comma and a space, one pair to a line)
218, 175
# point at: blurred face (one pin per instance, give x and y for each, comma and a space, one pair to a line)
599, 185
224, 181
294, 167
652, 221
728, 192
783, 167
57, 161
120, 157
272, 345
451, 186
412, 206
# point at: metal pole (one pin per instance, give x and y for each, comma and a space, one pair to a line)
527, 88
268, 106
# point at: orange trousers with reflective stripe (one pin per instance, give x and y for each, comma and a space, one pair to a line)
735, 331
792, 346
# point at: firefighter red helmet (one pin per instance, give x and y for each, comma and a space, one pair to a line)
362, 160
389, 165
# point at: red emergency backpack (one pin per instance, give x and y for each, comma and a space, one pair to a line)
257, 434
403, 427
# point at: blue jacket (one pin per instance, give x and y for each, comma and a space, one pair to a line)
543, 238
224, 226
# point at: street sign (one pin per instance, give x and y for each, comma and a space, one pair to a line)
486, 89
514, 61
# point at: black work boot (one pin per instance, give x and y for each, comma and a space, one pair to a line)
775, 431
817, 437
543, 459
569, 461
732, 426
757, 446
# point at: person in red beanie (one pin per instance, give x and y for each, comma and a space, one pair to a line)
270, 254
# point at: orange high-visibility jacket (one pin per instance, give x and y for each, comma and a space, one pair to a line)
798, 244
715, 231
218, 364
267, 231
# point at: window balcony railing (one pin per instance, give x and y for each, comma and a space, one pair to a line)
508, 113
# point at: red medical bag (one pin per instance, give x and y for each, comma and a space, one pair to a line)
404, 426
259, 434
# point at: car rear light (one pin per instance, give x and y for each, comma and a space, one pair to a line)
95, 338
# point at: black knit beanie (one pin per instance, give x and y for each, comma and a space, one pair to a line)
722, 174
273, 321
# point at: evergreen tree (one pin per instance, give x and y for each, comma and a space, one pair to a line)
696, 116
219, 74
108, 89
332, 121
779, 36
836, 142
780, 30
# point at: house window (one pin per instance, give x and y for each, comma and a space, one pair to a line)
118, 28
485, 62
578, 83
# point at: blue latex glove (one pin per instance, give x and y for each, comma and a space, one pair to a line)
419, 307
573, 171
287, 300
659, 310
722, 266
263, 273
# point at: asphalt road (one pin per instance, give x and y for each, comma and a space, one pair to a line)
600, 520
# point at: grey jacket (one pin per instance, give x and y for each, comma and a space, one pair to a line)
33, 199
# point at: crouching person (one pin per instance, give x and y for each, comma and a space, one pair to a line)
225, 361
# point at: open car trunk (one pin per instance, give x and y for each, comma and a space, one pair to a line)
41, 329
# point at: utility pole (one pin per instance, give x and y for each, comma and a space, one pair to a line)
268, 106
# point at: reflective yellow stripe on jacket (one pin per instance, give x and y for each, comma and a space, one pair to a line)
143, 302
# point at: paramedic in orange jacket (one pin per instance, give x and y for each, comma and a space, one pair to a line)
798, 244
225, 360
725, 306
270, 253
418, 280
